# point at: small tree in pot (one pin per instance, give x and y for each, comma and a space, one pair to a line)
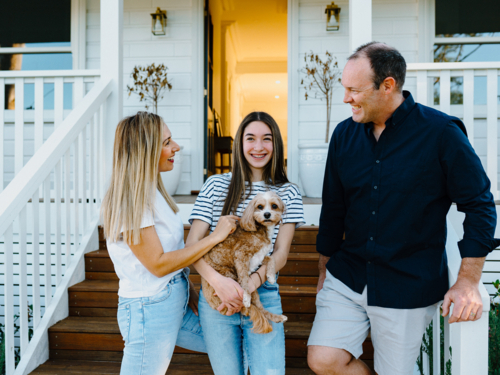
320, 79
150, 83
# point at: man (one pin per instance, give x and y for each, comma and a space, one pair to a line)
393, 171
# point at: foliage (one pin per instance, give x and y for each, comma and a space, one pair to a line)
150, 83
494, 333
17, 352
428, 349
320, 79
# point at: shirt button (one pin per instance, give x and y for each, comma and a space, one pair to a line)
375, 187
373, 212
371, 238
378, 161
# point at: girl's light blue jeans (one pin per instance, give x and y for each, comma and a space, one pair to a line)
152, 326
231, 344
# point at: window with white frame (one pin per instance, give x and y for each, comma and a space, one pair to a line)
466, 32
35, 35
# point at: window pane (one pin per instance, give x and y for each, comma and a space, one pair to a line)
466, 52
36, 61
464, 16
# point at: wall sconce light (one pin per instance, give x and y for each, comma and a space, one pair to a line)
159, 22
332, 17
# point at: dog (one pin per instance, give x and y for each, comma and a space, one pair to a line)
242, 252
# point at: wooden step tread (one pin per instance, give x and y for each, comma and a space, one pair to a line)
61, 367
291, 256
109, 325
111, 286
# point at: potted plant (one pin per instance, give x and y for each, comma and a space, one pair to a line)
320, 76
150, 84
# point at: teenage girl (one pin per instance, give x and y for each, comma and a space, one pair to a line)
259, 165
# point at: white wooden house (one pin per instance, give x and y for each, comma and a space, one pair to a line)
225, 58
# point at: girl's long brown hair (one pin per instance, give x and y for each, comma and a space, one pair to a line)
135, 177
274, 172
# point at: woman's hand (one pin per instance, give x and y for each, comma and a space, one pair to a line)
193, 298
230, 293
225, 226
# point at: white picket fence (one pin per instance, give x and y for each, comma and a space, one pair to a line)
61, 186
481, 121
23, 131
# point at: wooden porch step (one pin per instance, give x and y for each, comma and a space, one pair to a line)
61, 367
100, 298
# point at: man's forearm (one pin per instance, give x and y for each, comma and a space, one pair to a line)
323, 260
471, 270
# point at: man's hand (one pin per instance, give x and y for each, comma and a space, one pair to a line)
322, 271
465, 295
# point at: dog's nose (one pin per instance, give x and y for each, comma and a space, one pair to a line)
267, 215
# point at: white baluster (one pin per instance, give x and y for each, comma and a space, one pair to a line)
492, 130
436, 337
2, 124
100, 152
447, 338
469, 104
83, 138
58, 101
47, 239
422, 87
76, 179
425, 359
35, 204
9, 301
23, 281
78, 91
444, 94
58, 197
67, 203
38, 113
19, 125
92, 166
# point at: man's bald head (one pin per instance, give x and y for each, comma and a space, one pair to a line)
385, 61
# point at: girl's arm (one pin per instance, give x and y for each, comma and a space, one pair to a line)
280, 254
150, 251
228, 290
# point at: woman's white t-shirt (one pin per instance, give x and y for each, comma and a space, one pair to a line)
135, 280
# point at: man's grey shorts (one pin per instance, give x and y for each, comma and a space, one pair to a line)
343, 319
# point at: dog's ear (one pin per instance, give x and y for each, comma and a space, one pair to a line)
247, 221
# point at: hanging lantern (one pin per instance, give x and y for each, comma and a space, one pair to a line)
159, 22
332, 17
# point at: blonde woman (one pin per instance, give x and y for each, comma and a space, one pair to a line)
157, 306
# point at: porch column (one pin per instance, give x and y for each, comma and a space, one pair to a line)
360, 23
112, 67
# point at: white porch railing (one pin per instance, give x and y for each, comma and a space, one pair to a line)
61, 186
481, 121
24, 128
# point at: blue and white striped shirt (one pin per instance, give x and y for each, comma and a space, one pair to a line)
210, 201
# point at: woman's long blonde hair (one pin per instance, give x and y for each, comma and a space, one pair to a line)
135, 177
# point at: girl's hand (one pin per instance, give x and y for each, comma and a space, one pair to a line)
225, 226
193, 298
230, 293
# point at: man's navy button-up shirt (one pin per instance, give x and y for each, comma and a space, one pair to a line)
390, 199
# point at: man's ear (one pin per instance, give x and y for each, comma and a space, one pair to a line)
247, 221
389, 85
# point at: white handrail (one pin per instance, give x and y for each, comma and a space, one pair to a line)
453, 65
49, 73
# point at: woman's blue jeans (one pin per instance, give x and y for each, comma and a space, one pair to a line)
152, 326
232, 345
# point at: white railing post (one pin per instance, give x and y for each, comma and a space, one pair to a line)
9, 301
112, 68
469, 104
492, 130
2, 124
436, 339
19, 125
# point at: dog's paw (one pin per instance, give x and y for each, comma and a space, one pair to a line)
283, 318
271, 278
246, 299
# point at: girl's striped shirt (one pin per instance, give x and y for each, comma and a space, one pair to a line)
210, 201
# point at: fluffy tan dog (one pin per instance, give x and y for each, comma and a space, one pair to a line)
242, 253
